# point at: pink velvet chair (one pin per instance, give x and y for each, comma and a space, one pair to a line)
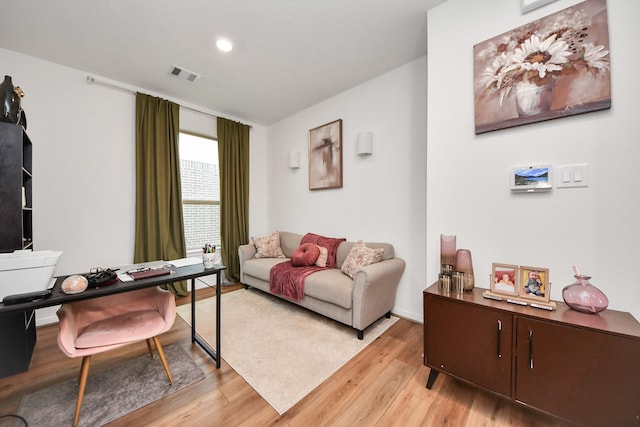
100, 324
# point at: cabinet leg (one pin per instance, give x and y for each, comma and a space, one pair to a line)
433, 374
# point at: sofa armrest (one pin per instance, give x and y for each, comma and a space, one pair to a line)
374, 292
245, 252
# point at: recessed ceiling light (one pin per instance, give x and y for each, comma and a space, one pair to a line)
224, 45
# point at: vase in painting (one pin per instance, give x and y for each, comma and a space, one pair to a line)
532, 99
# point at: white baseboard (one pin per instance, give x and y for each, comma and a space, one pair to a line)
416, 317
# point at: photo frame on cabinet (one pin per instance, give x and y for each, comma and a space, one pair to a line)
325, 156
504, 279
533, 284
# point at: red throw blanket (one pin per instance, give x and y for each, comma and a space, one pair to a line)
288, 281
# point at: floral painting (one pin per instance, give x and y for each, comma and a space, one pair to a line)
554, 67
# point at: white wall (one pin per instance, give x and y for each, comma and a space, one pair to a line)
383, 196
594, 228
84, 163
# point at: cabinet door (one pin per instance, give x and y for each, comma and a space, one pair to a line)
470, 342
18, 338
585, 376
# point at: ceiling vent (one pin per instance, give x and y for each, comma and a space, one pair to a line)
183, 73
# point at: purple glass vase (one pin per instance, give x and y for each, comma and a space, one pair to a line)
584, 297
447, 253
464, 265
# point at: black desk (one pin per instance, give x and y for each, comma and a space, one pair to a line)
190, 272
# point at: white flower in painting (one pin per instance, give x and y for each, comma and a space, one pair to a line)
542, 56
495, 78
492, 74
594, 56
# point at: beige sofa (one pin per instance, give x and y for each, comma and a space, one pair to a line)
357, 302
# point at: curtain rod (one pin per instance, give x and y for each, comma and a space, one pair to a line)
91, 79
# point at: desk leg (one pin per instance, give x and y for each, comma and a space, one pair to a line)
193, 310
215, 355
218, 318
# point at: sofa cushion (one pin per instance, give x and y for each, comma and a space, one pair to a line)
289, 242
322, 257
305, 255
331, 286
360, 256
268, 247
260, 267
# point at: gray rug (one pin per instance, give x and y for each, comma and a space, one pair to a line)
112, 393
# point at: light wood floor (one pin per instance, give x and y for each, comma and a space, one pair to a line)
382, 386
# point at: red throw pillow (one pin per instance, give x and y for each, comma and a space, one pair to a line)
304, 255
331, 243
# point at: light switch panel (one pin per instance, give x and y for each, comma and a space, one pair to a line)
572, 176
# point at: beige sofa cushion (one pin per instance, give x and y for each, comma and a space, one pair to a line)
331, 286
260, 267
289, 242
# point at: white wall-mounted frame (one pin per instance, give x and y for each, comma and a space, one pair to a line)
529, 5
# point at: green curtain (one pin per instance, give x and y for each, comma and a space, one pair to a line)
233, 155
159, 223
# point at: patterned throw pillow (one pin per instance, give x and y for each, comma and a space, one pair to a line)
360, 256
268, 247
322, 258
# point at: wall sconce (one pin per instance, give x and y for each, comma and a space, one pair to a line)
365, 143
294, 160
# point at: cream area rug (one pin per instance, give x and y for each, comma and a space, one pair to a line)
282, 350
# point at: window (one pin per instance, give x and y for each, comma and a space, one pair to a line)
200, 180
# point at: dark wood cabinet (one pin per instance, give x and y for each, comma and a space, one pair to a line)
16, 216
582, 368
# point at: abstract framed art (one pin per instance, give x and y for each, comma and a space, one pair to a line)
325, 156
553, 67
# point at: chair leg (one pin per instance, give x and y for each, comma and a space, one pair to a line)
149, 347
163, 359
84, 373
